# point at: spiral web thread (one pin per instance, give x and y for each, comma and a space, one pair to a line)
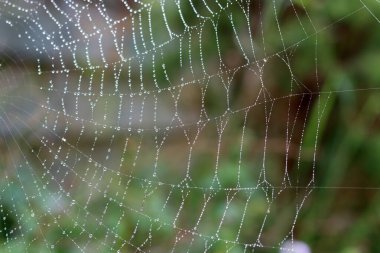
132, 97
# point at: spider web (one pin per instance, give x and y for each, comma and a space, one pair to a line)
156, 126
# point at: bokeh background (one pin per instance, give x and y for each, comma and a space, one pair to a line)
314, 73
